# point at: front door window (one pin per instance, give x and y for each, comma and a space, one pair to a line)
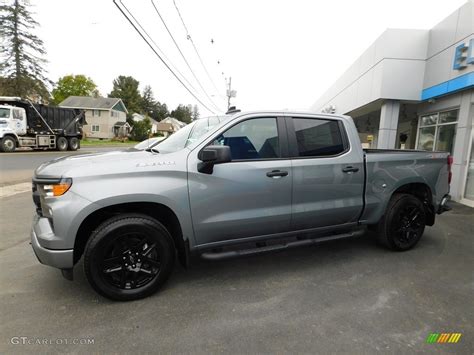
252, 139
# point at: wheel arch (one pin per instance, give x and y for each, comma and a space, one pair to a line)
423, 192
12, 135
158, 211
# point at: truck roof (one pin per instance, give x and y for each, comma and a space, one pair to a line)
10, 98
289, 113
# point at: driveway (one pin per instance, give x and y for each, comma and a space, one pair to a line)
347, 296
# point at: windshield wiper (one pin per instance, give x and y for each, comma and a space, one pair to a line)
154, 150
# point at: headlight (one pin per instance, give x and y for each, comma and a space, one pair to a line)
56, 189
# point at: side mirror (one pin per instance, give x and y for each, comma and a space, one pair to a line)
212, 155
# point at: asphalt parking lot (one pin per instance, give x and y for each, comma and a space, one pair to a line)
346, 296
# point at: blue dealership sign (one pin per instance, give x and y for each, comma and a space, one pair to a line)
464, 55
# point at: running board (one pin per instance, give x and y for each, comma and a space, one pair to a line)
287, 245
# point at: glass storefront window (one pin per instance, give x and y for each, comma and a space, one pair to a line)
448, 116
429, 120
426, 138
437, 131
446, 135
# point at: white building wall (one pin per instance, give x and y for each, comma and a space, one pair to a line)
414, 69
456, 29
391, 68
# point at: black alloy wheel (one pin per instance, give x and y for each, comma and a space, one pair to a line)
129, 256
130, 261
403, 224
408, 225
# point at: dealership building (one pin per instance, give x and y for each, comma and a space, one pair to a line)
414, 89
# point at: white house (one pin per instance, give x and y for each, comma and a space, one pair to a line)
106, 117
136, 117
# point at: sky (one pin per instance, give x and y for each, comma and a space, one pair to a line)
280, 54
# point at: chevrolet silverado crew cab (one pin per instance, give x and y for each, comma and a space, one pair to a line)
226, 186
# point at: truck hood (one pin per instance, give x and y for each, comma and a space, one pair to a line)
113, 162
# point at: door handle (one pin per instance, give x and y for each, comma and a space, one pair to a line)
277, 173
350, 169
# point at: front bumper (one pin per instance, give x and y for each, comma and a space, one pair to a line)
443, 205
41, 231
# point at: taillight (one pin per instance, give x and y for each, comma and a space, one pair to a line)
450, 163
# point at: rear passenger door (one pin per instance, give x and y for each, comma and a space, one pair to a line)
328, 176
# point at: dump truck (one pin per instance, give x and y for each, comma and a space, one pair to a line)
37, 126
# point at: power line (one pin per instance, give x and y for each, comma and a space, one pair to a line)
157, 47
183, 56
156, 53
188, 36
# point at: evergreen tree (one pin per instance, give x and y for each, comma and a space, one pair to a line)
151, 107
126, 88
183, 113
22, 54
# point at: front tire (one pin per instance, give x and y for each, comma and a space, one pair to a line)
8, 144
129, 257
403, 224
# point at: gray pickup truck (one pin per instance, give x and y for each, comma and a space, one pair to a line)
226, 186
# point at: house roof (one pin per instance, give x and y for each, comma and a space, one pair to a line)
174, 121
166, 127
92, 103
120, 124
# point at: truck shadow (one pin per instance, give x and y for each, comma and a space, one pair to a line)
344, 257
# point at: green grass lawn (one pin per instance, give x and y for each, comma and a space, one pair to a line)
105, 142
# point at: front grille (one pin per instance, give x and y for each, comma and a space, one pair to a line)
36, 198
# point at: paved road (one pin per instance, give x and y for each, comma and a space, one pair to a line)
345, 296
19, 166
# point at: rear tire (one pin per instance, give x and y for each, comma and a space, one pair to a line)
403, 224
61, 144
129, 257
73, 143
8, 144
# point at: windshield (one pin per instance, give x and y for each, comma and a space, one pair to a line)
4, 113
187, 135
174, 142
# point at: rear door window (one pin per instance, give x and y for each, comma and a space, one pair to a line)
318, 137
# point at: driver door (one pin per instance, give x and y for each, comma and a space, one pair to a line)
249, 196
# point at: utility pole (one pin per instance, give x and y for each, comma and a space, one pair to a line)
230, 93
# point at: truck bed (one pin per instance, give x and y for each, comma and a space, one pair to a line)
388, 169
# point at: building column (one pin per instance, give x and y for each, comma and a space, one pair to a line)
388, 124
